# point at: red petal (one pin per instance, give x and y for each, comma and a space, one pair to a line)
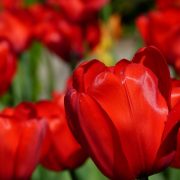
175, 93
29, 147
25, 111
7, 66
20, 144
71, 114
169, 140
64, 152
120, 66
136, 108
176, 160
85, 73
142, 24
99, 137
153, 59
9, 135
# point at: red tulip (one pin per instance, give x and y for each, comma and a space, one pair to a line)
11, 3
21, 134
64, 151
7, 66
166, 4
53, 30
79, 10
92, 34
120, 114
162, 29
14, 30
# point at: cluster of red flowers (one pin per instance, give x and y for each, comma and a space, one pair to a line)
105, 107
67, 29
161, 28
34, 133
39, 133
125, 117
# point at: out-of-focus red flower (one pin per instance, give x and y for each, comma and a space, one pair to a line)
14, 30
165, 4
59, 35
64, 151
10, 4
21, 134
113, 111
162, 29
7, 66
79, 10
92, 34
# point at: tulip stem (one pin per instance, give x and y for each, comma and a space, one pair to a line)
73, 175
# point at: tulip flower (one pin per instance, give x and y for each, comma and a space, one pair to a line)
11, 3
165, 4
21, 137
162, 29
64, 151
7, 66
79, 10
121, 115
15, 31
56, 33
92, 34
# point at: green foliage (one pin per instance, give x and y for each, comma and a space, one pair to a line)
26, 84
88, 171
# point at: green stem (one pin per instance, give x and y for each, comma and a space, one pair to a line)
50, 74
34, 56
73, 175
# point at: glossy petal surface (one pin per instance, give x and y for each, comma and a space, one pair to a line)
127, 113
153, 59
170, 145
100, 137
85, 74
120, 115
175, 92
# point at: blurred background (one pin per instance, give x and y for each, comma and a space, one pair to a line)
48, 38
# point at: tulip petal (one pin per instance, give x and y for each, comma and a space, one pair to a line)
136, 108
85, 73
64, 152
7, 66
175, 93
28, 151
168, 146
71, 115
9, 135
142, 25
100, 138
176, 160
120, 67
153, 59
